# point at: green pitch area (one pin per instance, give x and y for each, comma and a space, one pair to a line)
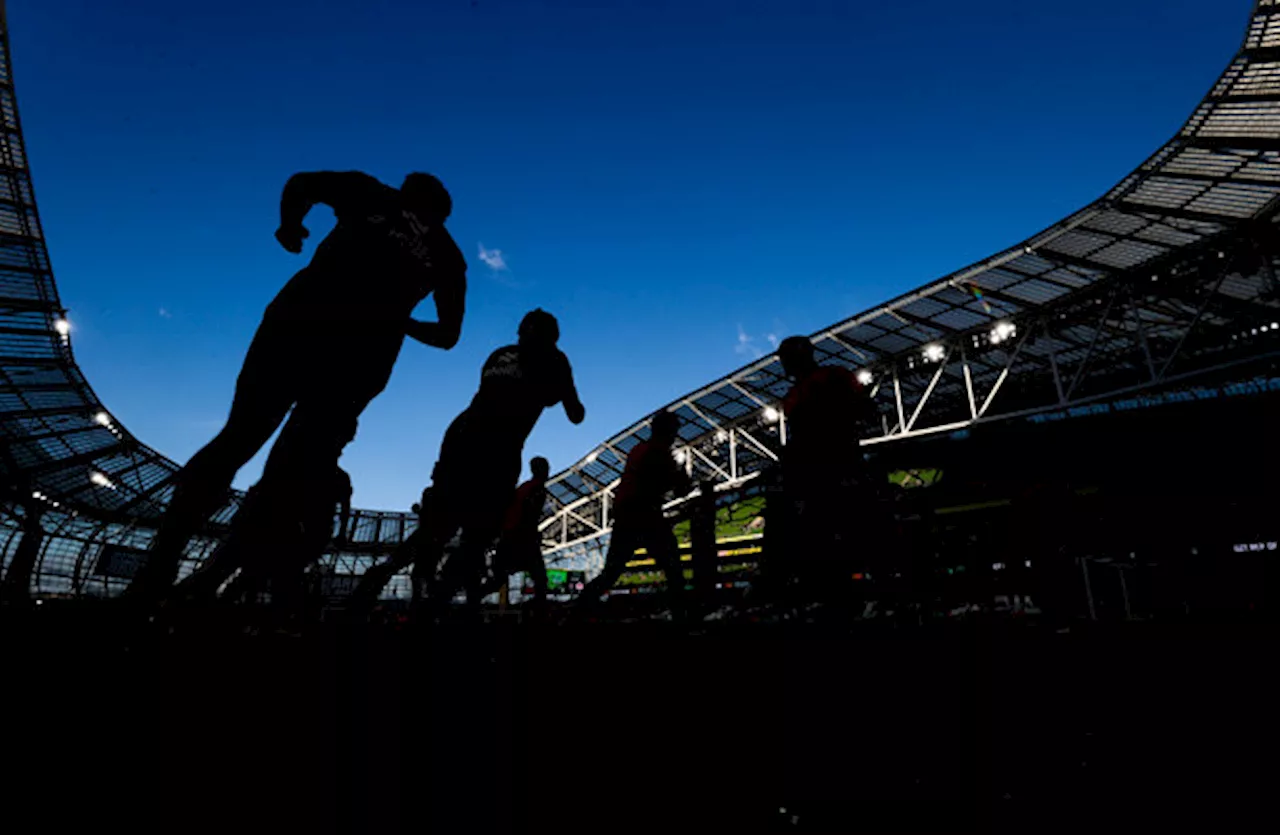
742, 518
915, 478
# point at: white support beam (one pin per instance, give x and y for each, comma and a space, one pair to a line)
937, 375
764, 450
1004, 373
897, 396
968, 385
713, 465
583, 520
749, 395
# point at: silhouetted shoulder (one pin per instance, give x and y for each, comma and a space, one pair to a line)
446, 254
354, 195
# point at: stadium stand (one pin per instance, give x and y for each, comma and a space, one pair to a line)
1164, 284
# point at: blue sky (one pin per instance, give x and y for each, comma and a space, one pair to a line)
674, 180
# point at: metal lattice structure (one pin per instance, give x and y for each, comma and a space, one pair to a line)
1170, 275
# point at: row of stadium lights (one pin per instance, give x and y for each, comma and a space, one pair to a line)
933, 352
62, 326
1274, 328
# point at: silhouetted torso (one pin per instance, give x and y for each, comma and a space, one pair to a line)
526, 509
825, 410
377, 263
516, 384
650, 473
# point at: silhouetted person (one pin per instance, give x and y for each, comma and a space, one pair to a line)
328, 342
365, 595
520, 545
825, 477
16, 586
650, 474
702, 543
481, 455
273, 542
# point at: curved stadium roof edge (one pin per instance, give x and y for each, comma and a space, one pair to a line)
1076, 324
1214, 176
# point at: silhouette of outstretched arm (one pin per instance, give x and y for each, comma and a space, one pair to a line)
335, 189
451, 303
573, 408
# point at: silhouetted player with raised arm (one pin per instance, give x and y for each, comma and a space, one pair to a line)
480, 460
520, 545
328, 342
825, 477
650, 474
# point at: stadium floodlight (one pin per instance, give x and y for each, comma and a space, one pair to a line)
1275, 326
771, 414
865, 377
102, 419
681, 455
1002, 331
101, 480
721, 436
934, 352
591, 456
62, 326
1263, 328
36, 494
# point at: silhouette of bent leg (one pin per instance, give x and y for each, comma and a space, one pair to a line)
262, 399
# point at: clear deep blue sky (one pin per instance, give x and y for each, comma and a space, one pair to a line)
675, 180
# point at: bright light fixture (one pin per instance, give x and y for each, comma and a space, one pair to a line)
771, 414
102, 419
680, 456
591, 456
721, 436
934, 352
1002, 331
865, 377
62, 326
101, 480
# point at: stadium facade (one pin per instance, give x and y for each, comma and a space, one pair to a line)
1165, 283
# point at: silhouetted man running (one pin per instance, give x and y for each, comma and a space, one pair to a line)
480, 458
520, 546
824, 474
650, 474
327, 343
275, 536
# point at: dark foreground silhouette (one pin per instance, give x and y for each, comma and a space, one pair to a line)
326, 345
475, 475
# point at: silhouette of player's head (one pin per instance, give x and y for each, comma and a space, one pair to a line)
540, 467
796, 355
539, 329
426, 197
664, 427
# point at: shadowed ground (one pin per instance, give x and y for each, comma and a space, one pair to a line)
609, 728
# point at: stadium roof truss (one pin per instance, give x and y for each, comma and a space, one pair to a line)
1171, 274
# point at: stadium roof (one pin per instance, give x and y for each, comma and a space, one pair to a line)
1144, 284
1152, 280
